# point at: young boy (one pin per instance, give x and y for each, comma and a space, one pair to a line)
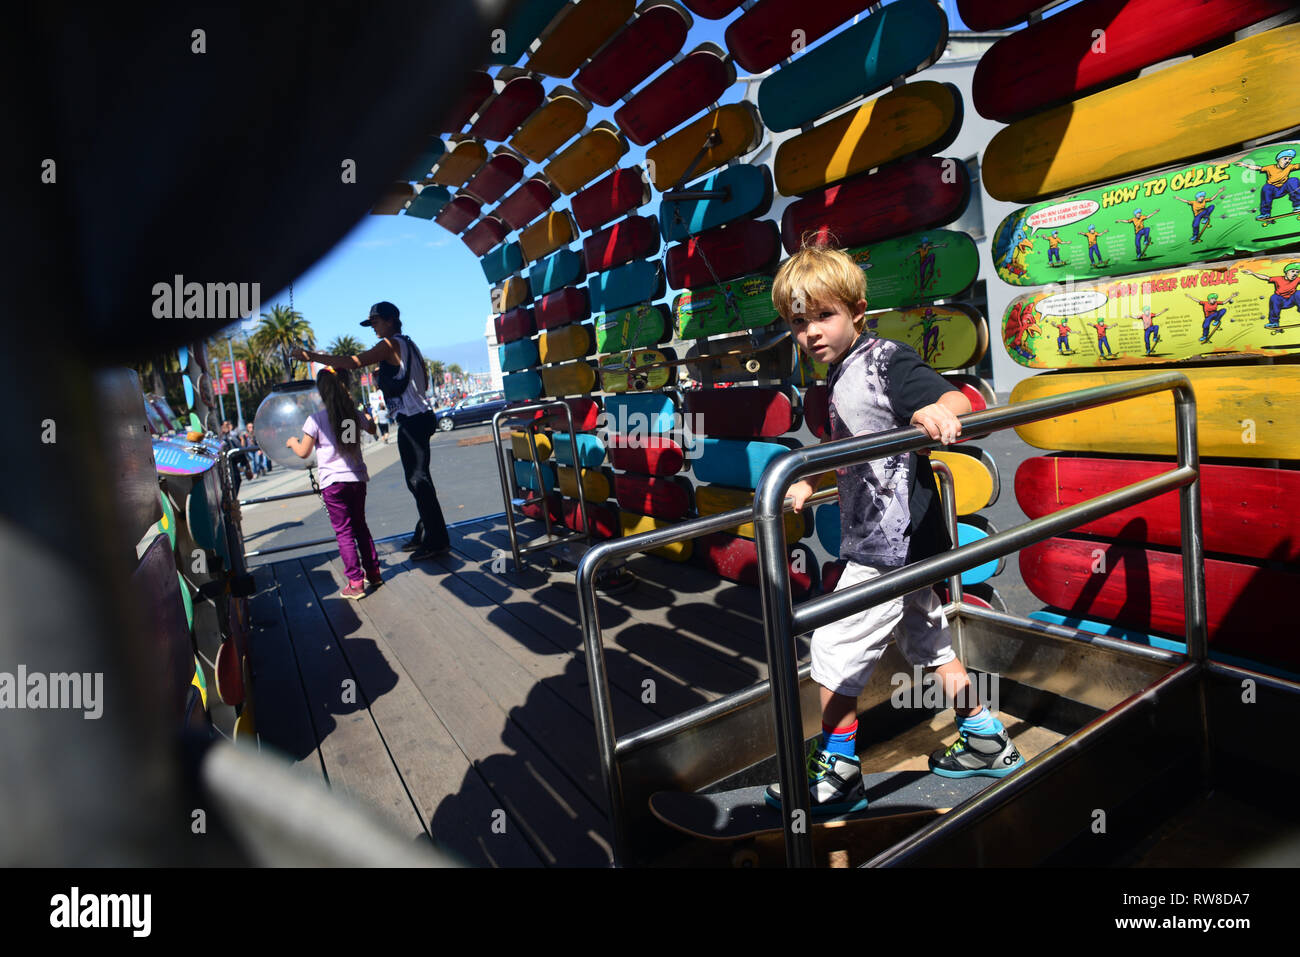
890, 516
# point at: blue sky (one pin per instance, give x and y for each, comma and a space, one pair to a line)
428, 272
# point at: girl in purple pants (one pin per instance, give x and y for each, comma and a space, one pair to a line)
335, 433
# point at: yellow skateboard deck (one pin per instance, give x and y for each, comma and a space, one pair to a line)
1242, 412
915, 117
561, 118
576, 34
1209, 104
591, 155
716, 499
461, 161
972, 484
511, 293
548, 234
737, 123
595, 484
567, 342
656, 378
572, 378
634, 524
519, 446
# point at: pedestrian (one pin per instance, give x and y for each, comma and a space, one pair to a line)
381, 419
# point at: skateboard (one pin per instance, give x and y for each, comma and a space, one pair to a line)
522, 386
463, 159
571, 378
607, 199
497, 177
747, 194
516, 324
591, 450
665, 498
553, 230
622, 286
1241, 412
724, 253
977, 390
154, 580
596, 484
999, 14
919, 193
765, 363
632, 328
633, 524
917, 117
532, 508
485, 235
428, 202
760, 38
527, 22
458, 214
637, 51
1242, 87
229, 672
602, 519
176, 456
716, 499
560, 269
739, 413
519, 446
1244, 510
562, 307
584, 413
576, 34
166, 524
517, 355
591, 155
935, 264
636, 237
744, 303
957, 335
533, 197
736, 560
563, 117
636, 371
692, 84
654, 455
478, 87
974, 480
1242, 318
510, 294
733, 462
1229, 224
894, 42
737, 129
568, 342
1142, 588
641, 413
526, 475
502, 262
1059, 58
422, 165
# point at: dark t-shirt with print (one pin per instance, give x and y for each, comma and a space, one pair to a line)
889, 508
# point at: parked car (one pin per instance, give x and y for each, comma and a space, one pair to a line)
479, 407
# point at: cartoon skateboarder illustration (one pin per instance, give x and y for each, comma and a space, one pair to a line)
1063, 338
1022, 325
930, 334
1094, 251
1214, 312
1201, 210
1285, 295
925, 260
1023, 248
1054, 243
1141, 231
1280, 181
1150, 331
1103, 346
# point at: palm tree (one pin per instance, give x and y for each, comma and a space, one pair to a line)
345, 346
281, 331
437, 369
456, 371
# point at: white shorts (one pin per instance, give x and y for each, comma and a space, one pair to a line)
845, 652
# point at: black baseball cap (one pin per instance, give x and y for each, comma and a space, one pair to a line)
383, 310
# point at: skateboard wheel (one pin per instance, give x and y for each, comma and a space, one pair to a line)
638, 382
744, 857
752, 365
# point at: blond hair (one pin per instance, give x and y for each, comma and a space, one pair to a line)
820, 274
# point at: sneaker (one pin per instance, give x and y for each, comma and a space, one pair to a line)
410, 545
990, 755
835, 781
354, 590
374, 582
424, 552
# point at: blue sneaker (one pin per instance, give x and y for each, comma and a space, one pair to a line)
835, 781
990, 755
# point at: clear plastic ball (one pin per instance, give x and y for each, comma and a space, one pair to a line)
280, 417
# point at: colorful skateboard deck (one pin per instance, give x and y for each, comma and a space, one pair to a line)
177, 457
641, 413
649, 456
556, 271
1153, 221
591, 450
577, 33
684, 89
558, 121
596, 484
625, 379
977, 390
1241, 412
515, 324
737, 127
920, 193
936, 264
584, 413
665, 498
894, 42
607, 199
568, 342
429, 202
526, 475
917, 117
632, 328
519, 446
739, 413
1059, 58
633, 524
485, 235
602, 519
510, 294
761, 37
463, 159
733, 462
571, 378
636, 237
497, 177
716, 499
154, 581
522, 386
1103, 325
946, 337
458, 214
736, 560
530, 200
527, 22
641, 281
553, 230
1244, 511
999, 14
478, 87
724, 253
635, 52
517, 355
972, 482
502, 262
1244, 88
563, 307
748, 194
166, 524
591, 155
744, 303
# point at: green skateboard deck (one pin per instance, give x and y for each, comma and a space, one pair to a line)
632, 328
744, 303
946, 337
916, 268
1243, 307
625, 375
1183, 214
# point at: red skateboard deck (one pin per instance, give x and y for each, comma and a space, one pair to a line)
1062, 56
496, 178
562, 307
603, 519
904, 197
651, 455
740, 413
761, 37
666, 498
727, 252
514, 104
487, 234
532, 508
636, 237
1000, 14
1244, 510
230, 674
607, 199
478, 87
736, 559
515, 324
1143, 588
677, 94
585, 413
637, 51
578, 32
977, 390
816, 410
526, 203
458, 214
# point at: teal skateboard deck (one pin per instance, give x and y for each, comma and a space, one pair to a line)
748, 196
744, 303
733, 462
556, 271
635, 327
522, 386
591, 450
641, 413
518, 355
918, 268
625, 286
429, 202
526, 475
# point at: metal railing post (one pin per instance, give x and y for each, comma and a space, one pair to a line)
1189, 517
